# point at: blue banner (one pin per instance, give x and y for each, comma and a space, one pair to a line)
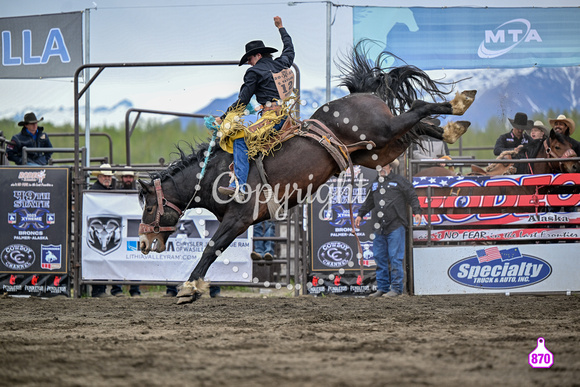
468, 38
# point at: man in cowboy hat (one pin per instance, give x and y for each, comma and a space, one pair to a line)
31, 136
390, 195
517, 137
563, 125
127, 179
259, 81
566, 126
539, 131
104, 178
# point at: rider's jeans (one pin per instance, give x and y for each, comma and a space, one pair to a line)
241, 163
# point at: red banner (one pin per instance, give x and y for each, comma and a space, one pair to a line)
504, 219
501, 201
529, 234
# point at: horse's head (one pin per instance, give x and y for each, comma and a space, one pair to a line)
558, 146
160, 215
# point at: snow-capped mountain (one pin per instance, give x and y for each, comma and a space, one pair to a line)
100, 115
501, 93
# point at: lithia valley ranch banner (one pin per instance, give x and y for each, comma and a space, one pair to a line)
110, 249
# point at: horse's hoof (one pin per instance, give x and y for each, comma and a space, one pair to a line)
453, 130
186, 292
190, 288
185, 300
462, 101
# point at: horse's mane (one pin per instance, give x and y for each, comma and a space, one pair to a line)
397, 86
184, 159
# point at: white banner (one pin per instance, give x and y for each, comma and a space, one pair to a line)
496, 269
110, 248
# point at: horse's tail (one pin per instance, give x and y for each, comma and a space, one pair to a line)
397, 86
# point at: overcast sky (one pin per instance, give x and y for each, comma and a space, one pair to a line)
180, 30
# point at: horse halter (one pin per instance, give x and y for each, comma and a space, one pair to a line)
154, 227
569, 153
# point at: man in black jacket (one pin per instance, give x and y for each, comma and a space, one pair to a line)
31, 136
389, 196
517, 137
271, 81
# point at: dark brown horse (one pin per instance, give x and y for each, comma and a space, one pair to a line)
299, 167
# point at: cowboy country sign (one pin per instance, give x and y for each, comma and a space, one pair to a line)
43, 46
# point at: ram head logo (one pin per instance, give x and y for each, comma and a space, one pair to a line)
104, 234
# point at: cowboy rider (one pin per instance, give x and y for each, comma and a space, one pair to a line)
259, 81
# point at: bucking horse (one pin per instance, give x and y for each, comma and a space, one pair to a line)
360, 126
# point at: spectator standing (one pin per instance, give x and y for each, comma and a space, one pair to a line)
127, 181
390, 196
104, 183
31, 136
517, 137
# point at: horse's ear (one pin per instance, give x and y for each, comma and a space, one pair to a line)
144, 186
552, 133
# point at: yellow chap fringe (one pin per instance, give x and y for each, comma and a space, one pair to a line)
259, 136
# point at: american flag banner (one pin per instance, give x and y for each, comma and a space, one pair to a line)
487, 255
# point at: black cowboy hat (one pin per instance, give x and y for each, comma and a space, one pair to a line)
254, 47
30, 118
521, 121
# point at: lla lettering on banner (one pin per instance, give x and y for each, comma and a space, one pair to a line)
495, 268
43, 46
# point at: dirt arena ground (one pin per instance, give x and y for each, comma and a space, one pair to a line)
257, 340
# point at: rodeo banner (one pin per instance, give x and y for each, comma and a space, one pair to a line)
335, 267
110, 244
34, 231
529, 268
